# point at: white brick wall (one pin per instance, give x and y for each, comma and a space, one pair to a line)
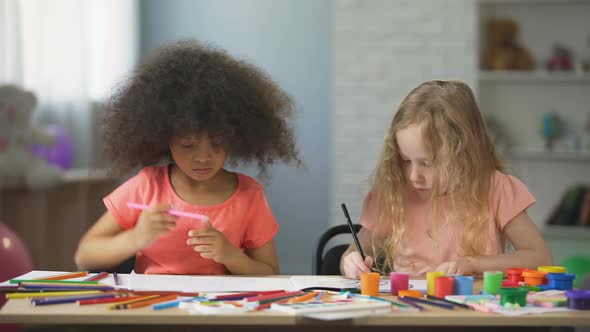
383, 49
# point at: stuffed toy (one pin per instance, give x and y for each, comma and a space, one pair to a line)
502, 52
18, 165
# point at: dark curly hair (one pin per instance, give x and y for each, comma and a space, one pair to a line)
192, 88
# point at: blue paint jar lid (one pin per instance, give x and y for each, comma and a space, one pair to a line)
561, 276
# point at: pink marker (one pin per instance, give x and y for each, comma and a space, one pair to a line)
171, 212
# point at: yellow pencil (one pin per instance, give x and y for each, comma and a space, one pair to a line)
48, 294
143, 298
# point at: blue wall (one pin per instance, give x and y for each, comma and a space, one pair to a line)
292, 41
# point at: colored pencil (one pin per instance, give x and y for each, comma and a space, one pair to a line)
171, 212
63, 276
303, 298
142, 298
116, 278
73, 282
354, 237
69, 299
98, 277
247, 294
272, 296
432, 297
66, 287
47, 294
439, 304
108, 300
147, 302
410, 303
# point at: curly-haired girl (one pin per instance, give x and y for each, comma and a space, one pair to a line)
196, 108
440, 200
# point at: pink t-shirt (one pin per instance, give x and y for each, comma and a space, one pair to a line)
418, 253
245, 219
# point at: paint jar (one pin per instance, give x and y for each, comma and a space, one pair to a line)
409, 293
534, 278
508, 283
515, 274
492, 281
560, 281
552, 269
430, 281
370, 283
443, 286
578, 299
463, 285
513, 295
399, 281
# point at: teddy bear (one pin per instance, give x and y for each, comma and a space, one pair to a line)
502, 50
18, 165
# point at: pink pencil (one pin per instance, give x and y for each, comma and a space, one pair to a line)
172, 212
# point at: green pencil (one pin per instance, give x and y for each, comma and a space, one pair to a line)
18, 281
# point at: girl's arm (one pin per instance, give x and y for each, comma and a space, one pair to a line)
105, 245
530, 251
351, 263
255, 261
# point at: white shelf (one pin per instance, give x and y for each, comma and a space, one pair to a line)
566, 232
533, 76
530, 154
85, 175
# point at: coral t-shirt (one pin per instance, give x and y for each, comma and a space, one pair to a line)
245, 219
418, 253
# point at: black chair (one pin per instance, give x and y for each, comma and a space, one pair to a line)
329, 263
125, 267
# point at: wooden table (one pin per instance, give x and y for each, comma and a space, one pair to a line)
98, 318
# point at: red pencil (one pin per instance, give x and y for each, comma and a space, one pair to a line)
98, 277
63, 276
247, 294
263, 298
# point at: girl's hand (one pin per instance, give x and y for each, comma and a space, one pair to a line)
212, 244
462, 266
152, 223
354, 265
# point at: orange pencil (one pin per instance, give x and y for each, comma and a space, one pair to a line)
109, 300
141, 298
140, 304
63, 276
303, 298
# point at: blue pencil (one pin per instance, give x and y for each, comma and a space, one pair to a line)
70, 299
410, 303
166, 305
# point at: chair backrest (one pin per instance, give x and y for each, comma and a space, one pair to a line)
126, 266
329, 263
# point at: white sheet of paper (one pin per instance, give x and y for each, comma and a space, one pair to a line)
300, 282
206, 283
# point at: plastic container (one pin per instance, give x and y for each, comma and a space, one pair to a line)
552, 269
492, 281
515, 274
409, 293
443, 286
430, 281
534, 278
370, 283
399, 281
509, 283
513, 295
578, 299
560, 281
463, 285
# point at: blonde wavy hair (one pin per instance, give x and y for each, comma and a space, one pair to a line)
464, 161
